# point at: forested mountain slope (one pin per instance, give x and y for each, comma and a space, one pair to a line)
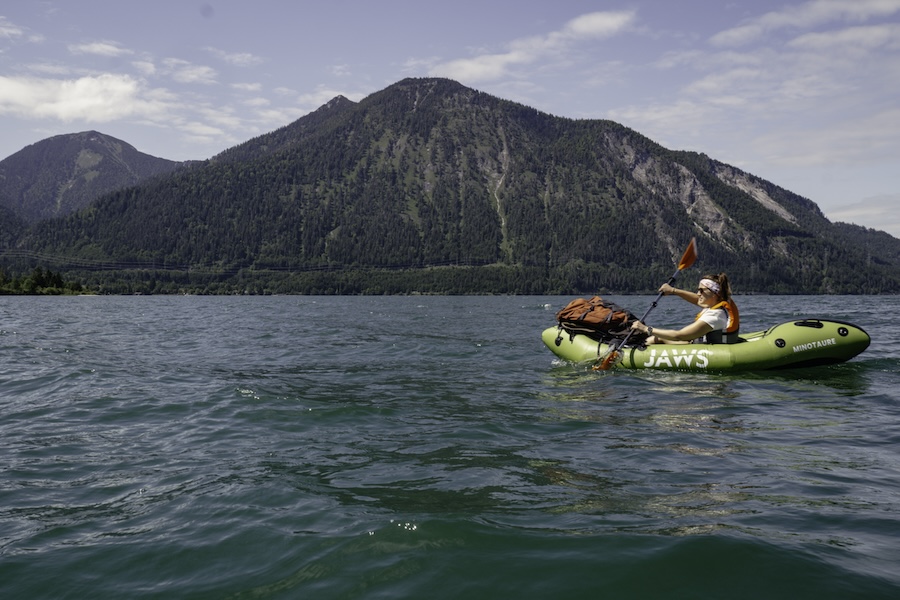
62, 174
373, 196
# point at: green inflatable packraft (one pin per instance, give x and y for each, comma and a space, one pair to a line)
795, 344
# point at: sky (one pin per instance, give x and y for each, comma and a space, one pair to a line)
805, 94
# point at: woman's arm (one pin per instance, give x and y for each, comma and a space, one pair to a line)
685, 334
685, 295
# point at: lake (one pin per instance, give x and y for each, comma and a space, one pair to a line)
413, 447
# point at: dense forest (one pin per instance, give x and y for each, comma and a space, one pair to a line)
38, 282
65, 173
431, 187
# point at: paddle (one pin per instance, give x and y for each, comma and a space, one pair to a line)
687, 259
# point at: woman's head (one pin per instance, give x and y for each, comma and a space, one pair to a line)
715, 285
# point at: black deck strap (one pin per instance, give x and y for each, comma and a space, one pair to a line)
720, 337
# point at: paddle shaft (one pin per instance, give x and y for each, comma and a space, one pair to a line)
687, 259
652, 306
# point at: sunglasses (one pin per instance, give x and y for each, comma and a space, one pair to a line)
704, 291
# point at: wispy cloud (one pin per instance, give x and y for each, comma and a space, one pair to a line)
14, 33
870, 37
804, 16
525, 51
9, 30
52, 68
342, 70
183, 71
99, 48
247, 87
200, 133
860, 140
219, 116
878, 212
322, 95
237, 59
144, 67
682, 120
816, 98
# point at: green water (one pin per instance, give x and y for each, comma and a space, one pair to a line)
430, 447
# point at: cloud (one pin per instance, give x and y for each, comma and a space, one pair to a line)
247, 87
666, 123
864, 140
877, 212
195, 129
276, 117
598, 24
727, 83
804, 16
99, 48
237, 59
528, 50
480, 68
145, 67
417, 65
342, 70
9, 30
12, 32
99, 98
183, 71
220, 116
864, 38
199, 133
322, 95
67, 93
50, 69
819, 98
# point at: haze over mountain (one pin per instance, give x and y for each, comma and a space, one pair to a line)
375, 196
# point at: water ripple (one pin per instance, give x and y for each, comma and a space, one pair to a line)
268, 448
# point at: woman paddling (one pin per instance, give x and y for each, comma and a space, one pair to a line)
717, 323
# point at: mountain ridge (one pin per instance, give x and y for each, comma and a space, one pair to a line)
428, 173
65, 173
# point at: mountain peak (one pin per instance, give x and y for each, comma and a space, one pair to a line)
64, 173
428, 173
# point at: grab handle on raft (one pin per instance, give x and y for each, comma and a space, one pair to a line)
687, 259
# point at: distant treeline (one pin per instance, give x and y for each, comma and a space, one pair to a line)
576, 278
39, 282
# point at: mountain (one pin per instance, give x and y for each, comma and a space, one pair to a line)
431, 186
62, 174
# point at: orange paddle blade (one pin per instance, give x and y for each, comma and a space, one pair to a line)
608, 361
689, 256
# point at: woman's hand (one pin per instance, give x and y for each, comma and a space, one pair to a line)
651, 339
666, 289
